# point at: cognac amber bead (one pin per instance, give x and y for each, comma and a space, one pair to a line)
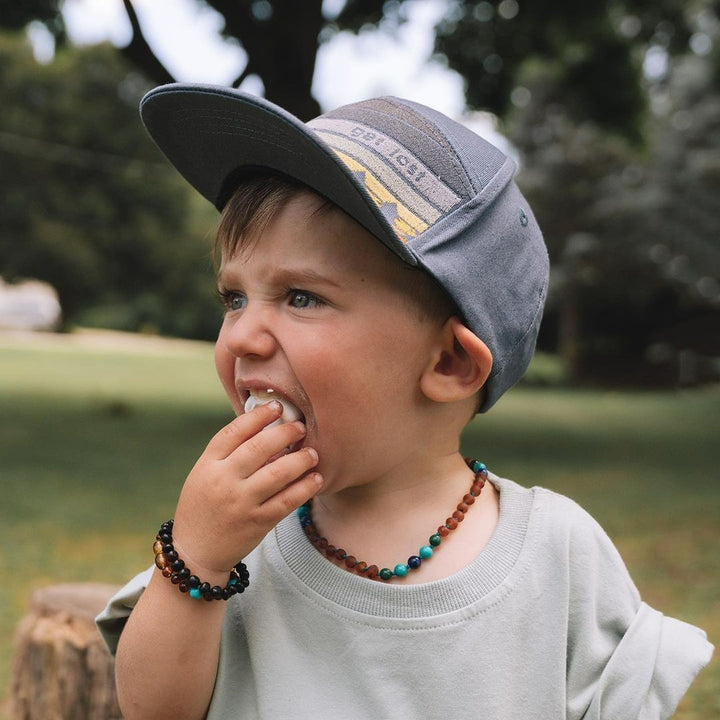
451, 523
350, 561
372, 571
463, 507
157, 547
443, 531
458, 516
361, 567
161, 561
330, 550
167, 571
323, 543
468, 499
340, 554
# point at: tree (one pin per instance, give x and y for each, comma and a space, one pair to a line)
570, 85
593, 46
89, 203
631, 230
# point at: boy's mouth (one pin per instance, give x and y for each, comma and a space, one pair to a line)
263, 397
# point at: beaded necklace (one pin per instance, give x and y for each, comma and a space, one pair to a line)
414, 561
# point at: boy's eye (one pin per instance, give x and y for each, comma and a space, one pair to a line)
302, 299
233, 300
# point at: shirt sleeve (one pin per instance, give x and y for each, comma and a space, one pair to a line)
111, 621
626, 661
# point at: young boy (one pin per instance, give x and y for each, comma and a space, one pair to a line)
383, 280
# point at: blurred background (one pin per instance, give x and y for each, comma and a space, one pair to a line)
107, 300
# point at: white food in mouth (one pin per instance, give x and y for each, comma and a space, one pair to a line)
263, 397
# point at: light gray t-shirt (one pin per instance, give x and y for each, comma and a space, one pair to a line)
545, 623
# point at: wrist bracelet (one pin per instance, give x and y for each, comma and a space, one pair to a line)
171, 566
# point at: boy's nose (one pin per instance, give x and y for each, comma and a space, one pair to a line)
248, 334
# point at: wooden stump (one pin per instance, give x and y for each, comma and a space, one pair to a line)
62, 669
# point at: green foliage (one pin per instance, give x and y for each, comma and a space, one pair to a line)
16, 15
631, 231
90, 204
595, 49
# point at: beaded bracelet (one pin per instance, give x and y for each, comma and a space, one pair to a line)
171, 566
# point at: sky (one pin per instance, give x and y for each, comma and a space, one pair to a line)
184, 35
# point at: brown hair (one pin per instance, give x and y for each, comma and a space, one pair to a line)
259, 198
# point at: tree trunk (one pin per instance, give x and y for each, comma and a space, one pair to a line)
62, 669
570, 339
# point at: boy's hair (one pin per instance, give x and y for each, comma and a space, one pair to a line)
437, 195
258, 199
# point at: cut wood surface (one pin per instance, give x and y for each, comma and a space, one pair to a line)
62, 669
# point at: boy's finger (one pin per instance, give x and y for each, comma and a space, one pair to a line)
241, 428
263, 447
279, 474
292, 497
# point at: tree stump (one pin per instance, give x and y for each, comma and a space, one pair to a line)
62, 669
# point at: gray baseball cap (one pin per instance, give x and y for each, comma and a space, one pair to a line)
435, 193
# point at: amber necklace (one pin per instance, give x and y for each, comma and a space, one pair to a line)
414, 561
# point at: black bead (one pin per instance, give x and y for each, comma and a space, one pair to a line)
184, 574
174, 578
165, 537
204, 587
216, 592
194, 581
172, 556
168, 547
178, 565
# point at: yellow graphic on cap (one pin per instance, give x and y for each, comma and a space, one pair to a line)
406, 224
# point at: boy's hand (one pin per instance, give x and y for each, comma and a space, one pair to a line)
240, 488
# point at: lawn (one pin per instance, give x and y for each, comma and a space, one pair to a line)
96, 439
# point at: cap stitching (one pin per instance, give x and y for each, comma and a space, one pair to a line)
454, 159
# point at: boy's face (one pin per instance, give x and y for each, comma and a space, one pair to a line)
316, 312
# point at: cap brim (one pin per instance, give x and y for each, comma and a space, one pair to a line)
214, 135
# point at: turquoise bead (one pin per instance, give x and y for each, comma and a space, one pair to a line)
195, 593
477, 466
401, 570
425, 552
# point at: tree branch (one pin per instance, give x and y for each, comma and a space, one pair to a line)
281, 48
140, 54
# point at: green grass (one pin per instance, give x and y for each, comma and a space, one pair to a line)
95, 444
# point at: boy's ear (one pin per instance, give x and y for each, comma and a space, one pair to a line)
459, 365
